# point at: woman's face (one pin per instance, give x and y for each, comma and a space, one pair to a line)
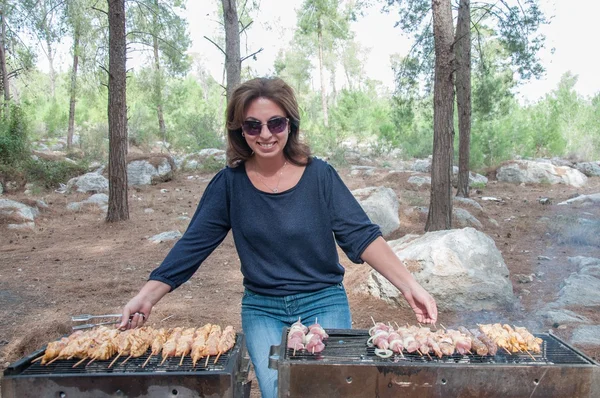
267, 144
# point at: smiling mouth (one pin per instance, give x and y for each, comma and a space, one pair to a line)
265, 145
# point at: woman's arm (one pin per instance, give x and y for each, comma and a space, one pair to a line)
382, 258
141, 305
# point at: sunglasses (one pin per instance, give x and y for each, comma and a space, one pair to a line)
276, 125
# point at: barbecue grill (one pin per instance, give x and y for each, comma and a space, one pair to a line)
348, 368
228, 377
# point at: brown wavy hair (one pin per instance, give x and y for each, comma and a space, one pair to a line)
278, 91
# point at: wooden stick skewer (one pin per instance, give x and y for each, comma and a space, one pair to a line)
164, 359
147, 360
181, 360
113, 361
532, 357
88, 364
80, 362
206, 363
54, 360
217, 358
420, 353
37, 359
374, 323
126, 359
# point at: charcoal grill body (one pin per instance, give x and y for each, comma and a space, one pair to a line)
350, 369
228, 377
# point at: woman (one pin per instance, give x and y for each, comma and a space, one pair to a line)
286, 210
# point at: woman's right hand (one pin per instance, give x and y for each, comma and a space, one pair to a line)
137, 311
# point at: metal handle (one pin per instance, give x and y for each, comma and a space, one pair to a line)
87, 317
274, 352
91, 325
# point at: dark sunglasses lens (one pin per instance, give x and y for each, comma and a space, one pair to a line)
251, 127
277, 125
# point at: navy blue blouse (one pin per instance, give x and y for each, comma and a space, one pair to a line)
286, 241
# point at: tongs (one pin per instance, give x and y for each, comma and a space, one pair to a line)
87, 317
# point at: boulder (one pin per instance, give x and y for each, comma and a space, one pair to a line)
527, 171
150, 169
590, 169
89, 182
461, 268
381, 205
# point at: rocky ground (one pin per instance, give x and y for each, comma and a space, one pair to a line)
75, 263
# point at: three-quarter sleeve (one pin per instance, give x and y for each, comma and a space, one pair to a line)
352, 228
207, 229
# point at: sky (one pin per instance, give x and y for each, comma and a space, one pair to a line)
573, 26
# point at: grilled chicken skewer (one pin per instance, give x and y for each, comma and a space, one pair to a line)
159, 337
199, 349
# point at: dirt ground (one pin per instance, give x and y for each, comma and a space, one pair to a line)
75, 263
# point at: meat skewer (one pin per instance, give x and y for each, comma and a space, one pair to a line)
212, 342
123, 345
159, 338
184, 344
226, 342
170, 346
199, 349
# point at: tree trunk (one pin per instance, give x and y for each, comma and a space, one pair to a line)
440, 206
118, 208
462, 48
322, 77
73, 90
51, 70
233, 62
158, 86
158, 94
5, 84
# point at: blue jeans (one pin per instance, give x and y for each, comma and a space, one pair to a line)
263, 318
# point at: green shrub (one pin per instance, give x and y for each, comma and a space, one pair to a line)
13, 137
50, 174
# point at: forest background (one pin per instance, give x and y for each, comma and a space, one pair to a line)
55, 64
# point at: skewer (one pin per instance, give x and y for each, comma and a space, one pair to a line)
469, 352
443, 327
181, 361
80, 362
37, 359
294, 353
420, 353
505, 349
113, 361
217, 358
88, 364
147, 360
429, 356
206, 363
54, 360
163, 361
373, 320
532, 357
126, 359
398, 326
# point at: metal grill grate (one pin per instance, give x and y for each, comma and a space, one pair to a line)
345, 346
133, 365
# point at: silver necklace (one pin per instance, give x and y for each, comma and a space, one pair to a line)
261, 178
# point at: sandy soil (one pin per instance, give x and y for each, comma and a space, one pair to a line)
75, 263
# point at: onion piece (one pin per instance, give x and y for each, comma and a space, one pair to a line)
383, 353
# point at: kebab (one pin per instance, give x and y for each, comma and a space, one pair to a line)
212, 342
226, 342
123, 345
170, 346
159, 338
140, 340
199, 349
184, 344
